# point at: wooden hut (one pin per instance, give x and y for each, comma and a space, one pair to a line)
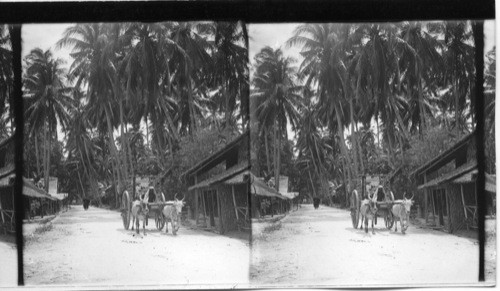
448, 185
265, 199
221, 202
7, 175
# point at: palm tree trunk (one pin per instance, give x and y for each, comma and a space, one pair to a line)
226, 98
124, 142
423, 124
81, 184
129, 151
278, 152
360, 150
45, 164
353, 135
378, 131
191, 109
275, 157
310, 179
457, 111
147, 132
114, 155
267, 150
343, 145
37, 154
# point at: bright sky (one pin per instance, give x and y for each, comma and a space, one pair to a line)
45, 36
275, 35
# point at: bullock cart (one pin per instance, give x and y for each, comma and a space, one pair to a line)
155, 209
383, 209
384, 202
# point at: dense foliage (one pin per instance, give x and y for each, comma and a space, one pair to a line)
367, 99
135, 102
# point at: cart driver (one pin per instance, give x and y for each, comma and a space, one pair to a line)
151, 194
380, 194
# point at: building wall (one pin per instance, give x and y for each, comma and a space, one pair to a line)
457, 215
227, 204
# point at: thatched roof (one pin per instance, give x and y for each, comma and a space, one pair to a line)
490, 180
464, 169
29, 189
445, 157
227, 174
217, 157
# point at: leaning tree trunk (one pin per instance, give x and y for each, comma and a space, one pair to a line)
360, 150
46, 154
124, 143
81, 184
275, 158
114, 155
354, 139
266, 143
37, 154
457, 111
343, 146
310, 179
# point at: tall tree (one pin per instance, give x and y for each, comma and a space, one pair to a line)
47, 99
278, 96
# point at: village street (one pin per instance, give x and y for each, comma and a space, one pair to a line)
92, 248
321, 248
8, 257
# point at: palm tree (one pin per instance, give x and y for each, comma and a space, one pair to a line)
460, 68
96, 49
310, 144
147, 81
80, 146
47, 99
6, 73
324, 48
420, 70
277, 94
231, 68
189, 62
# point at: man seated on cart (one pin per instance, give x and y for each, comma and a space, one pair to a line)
380, 194
150, 195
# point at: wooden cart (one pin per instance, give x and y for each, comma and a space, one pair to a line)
383, 207
155, 210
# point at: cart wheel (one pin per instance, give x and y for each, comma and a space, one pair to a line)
392, 196
355, 215
160, 222
126, 209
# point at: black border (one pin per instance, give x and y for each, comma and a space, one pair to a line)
256, 11
250, 11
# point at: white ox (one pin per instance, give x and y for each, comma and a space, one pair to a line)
401, 212
172, 212
140, 211
368, 211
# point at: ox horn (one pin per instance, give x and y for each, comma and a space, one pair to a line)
175, 196
410, 197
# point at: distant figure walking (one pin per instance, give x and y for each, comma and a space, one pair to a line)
86, 203
316, 203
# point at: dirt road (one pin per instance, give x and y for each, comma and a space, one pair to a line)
92, 248
8, 257
320, 247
